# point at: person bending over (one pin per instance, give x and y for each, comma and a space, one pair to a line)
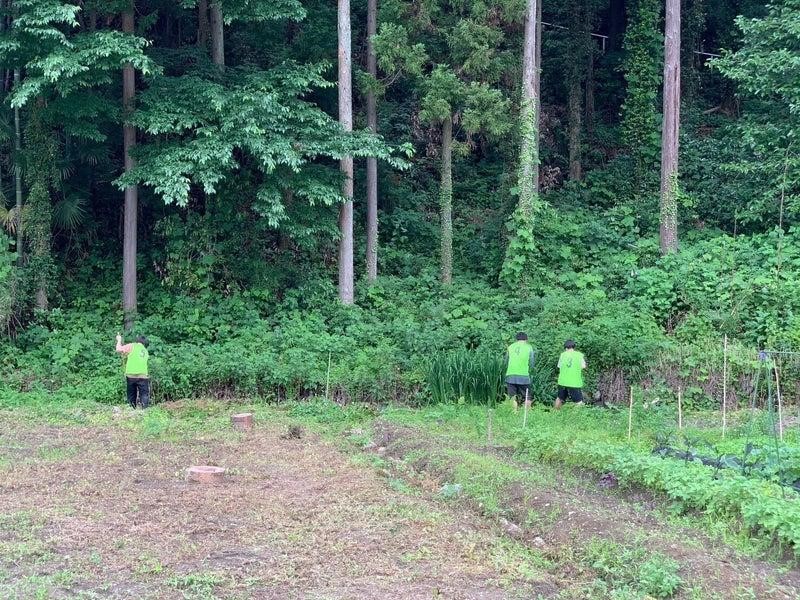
571, 364
519, 365
136, 374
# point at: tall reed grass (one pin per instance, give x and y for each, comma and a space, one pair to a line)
474, 376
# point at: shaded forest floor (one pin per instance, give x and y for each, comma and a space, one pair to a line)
94, 504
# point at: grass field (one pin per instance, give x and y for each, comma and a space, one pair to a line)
328, 502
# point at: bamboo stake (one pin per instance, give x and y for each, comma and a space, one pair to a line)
328, 378
680, 411
630, 416
489, 436
780, 403
525, 412
724, 387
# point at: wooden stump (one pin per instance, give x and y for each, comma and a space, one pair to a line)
242, 422
205, 474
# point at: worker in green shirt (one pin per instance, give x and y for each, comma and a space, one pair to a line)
519, 364
571, 364
136, 373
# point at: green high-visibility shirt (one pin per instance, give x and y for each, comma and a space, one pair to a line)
520, 359
136, 364
570, 369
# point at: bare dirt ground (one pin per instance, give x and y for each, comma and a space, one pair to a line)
561, 513
102, 512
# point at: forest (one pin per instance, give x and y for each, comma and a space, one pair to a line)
182, 169
324, 223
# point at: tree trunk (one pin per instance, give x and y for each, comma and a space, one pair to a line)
671, 128
41, 158
129, 296
616, 23
446, 201
203, 26
520, 264
372, 163
529, 151
346, 291
537, 98
693, 24
589, 75
18, 177
217, 35
284, 241
579, 47
575, 129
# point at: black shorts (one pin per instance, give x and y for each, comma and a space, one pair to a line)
517, 389
575, 394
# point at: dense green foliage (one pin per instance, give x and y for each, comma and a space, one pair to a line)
240, 185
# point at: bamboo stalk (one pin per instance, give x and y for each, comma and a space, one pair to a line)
630, 416
724, 387
680, 410
780, 403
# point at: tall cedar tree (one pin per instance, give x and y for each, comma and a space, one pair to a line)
671, 128
346, 275
453, 55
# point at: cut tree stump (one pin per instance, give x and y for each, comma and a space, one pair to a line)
242, 421
205, 474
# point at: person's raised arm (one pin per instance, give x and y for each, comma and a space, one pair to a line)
124, 348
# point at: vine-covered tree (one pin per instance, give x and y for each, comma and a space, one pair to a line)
521, 253
670, 128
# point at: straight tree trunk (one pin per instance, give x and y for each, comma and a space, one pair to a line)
671, 128
529, 151
130, 233
372, 162
446, 201
217, 35
203, 25
575, 169
18, 177
537, 99
578, 34
346, 276
589, 75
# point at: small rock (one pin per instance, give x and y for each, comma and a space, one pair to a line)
608, 480
295, 432
382, 450
538, 542
512, 529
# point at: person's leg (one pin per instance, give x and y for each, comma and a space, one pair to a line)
144, 392
513, 392
562, 395
131, 389
576, 395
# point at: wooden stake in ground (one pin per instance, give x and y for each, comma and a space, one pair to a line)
680, 411
724, 386
489, 436
780, 403
328, 378
525, 412
630, 416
